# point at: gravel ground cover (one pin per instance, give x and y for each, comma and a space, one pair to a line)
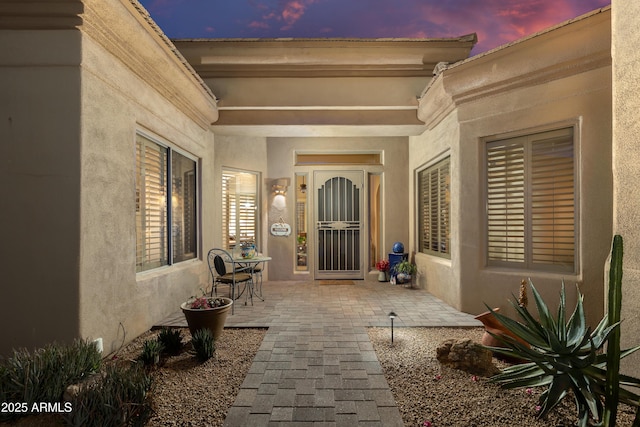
189, 393
186, 392
427, 391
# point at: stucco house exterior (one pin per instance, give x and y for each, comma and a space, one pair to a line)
126, 156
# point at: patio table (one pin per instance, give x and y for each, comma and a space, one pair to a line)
250, 265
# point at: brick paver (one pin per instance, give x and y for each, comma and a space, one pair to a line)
316, 365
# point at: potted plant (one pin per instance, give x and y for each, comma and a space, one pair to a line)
404, 271
383, 270
206, 313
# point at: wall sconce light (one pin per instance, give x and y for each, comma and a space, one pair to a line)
392, 316
280, 186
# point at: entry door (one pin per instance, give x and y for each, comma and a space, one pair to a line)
339, 224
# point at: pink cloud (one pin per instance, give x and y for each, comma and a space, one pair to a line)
288, 12
494, 21
258, 25
293, 10
271, 15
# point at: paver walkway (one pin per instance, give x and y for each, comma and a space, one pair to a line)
316, 365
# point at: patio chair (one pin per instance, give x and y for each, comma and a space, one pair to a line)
257, 278
218, 260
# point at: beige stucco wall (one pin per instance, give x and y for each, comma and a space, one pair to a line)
247, 153
626, 172
281, 156
555, 79
75, 100
40, 191
440, 276
119, 98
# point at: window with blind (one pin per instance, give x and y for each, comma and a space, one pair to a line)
434, 209
531, 201
166, 214
239, 207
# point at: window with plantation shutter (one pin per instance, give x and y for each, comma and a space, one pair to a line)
531, 201
239, 207
434, 209
166, 211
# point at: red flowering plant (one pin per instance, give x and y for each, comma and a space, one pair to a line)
382, 265
203, 303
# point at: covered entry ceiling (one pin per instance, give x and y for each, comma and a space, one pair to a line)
320, 87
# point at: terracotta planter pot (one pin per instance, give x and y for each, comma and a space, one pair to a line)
210, 318
491, 324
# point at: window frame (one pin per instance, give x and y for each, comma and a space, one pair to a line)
435, 165
169, 255
530, 137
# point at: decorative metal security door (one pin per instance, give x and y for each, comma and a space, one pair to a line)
339, 224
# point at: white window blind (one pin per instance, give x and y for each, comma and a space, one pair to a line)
505, 202
151, 205
228, 212
531, 201
239, 207
166, 215
434, 208
553, 201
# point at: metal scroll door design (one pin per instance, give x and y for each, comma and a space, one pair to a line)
339, 225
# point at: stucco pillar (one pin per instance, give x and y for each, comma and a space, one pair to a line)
626, 165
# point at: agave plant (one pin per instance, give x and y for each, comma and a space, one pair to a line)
563, 357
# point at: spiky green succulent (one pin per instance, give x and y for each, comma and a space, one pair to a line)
171, 340
151, 351
203, 344
562, 357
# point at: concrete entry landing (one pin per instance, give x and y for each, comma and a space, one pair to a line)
316, 363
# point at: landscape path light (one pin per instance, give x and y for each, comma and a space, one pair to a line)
392, 315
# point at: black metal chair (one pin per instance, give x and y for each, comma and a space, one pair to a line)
257, 271
218, 260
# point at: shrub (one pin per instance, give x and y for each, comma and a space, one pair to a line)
43, 376
203, 344
171, 340
121, 398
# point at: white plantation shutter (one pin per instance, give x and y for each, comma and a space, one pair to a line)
434, 207
239, 207
247, 216
531, 201
505, 202
228, 211
553, 201
151, 205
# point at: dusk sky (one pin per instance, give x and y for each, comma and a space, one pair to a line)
494, 21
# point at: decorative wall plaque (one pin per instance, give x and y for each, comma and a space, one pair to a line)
280, 228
